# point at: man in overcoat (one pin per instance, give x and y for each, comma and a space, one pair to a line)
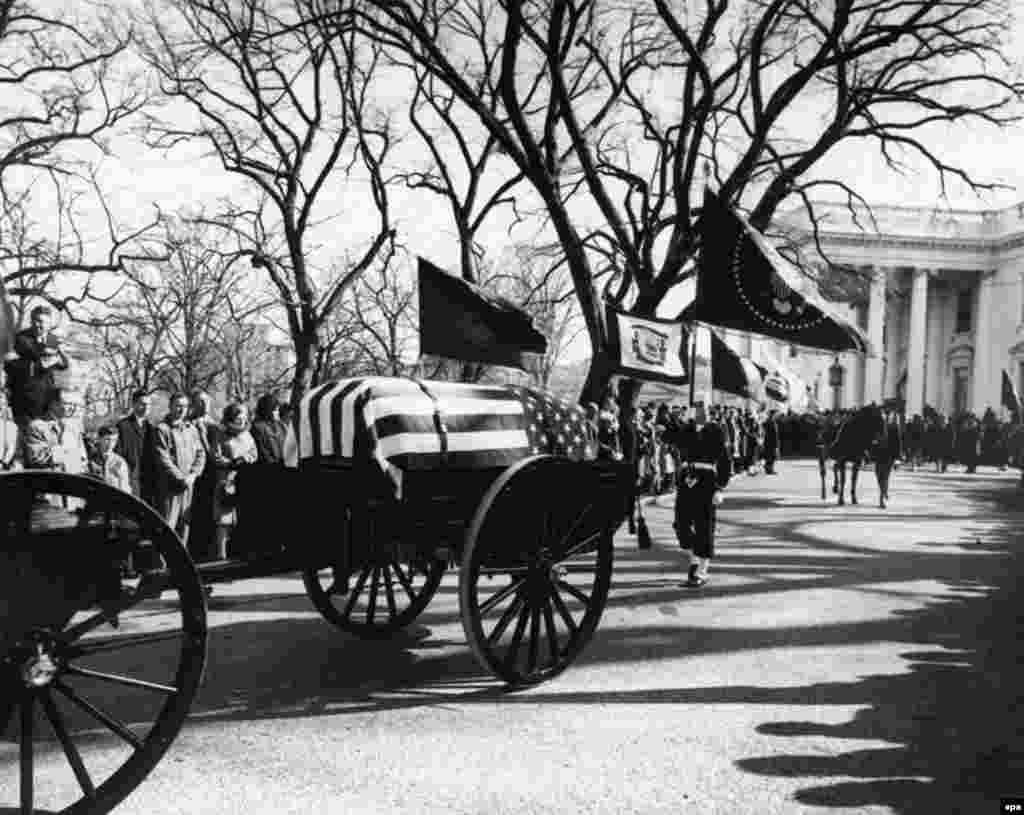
180, 459
135, 438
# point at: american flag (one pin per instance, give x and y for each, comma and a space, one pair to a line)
408, 424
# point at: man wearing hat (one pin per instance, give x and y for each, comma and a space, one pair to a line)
704, 470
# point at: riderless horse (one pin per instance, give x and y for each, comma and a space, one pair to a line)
850, 443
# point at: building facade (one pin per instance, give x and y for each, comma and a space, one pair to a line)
944, 309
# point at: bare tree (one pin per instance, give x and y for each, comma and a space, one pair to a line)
62, 92
375, 327
626, 102
176, 324
288, 109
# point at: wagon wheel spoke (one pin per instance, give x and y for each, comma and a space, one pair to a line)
128, 681
574, 525
575, 592
108, 644
563, 611
70, 750
487, 606
101, 617
505, 619
118, 727
552, 633
371, 608
517, 636
531, 664
579, 547
354, 595
405, 581
389, 593
26, 756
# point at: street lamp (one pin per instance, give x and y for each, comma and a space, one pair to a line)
836, 373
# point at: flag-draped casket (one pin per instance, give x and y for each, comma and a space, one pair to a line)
395, 426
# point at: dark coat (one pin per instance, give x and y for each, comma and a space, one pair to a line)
706, 445
269, 437
890, 445
135, 446
771, 435
30, 384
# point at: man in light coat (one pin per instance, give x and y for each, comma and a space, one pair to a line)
179, 461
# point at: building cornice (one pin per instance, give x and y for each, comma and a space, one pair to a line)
979, 234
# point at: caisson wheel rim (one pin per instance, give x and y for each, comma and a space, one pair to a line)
98, 666
530, 605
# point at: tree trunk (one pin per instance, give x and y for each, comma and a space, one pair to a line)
306, 351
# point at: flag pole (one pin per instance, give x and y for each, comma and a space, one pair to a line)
693, 364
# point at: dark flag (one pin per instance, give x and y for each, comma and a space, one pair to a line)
1010, 399
732, 373
647, 348
461, 321
743, 283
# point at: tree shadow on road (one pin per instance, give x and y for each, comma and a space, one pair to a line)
951, 724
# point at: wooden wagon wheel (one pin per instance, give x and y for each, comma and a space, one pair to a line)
98, 666
382, 598
536, 569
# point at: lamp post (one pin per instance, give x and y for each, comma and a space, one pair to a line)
836, 373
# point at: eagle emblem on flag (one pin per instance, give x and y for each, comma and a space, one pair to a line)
649, 345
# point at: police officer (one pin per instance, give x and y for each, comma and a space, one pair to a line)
704, 470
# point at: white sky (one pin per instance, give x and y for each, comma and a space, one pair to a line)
138, 178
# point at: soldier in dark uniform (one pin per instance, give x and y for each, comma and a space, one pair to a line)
888, 449
704, 470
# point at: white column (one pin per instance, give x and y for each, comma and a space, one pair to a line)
916, 344
876, 322
984, 390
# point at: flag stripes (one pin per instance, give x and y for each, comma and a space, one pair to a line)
406, 424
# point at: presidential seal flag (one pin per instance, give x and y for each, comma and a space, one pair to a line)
647, 348
743, 283
399, 425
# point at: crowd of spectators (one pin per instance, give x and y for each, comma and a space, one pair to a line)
186, 464
754, 439
757, 439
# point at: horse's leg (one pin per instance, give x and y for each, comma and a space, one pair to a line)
882, 476
821, 470
854, 472
836, 467
840, 472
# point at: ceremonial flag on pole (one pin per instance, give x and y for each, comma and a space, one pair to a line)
743, 283
732, 373
461, 321
1010, 399
648, 348
6, 324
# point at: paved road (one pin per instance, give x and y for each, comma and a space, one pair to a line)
843, 659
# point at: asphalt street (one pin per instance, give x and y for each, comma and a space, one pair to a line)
843, 659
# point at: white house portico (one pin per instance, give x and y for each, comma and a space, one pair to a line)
944, 309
